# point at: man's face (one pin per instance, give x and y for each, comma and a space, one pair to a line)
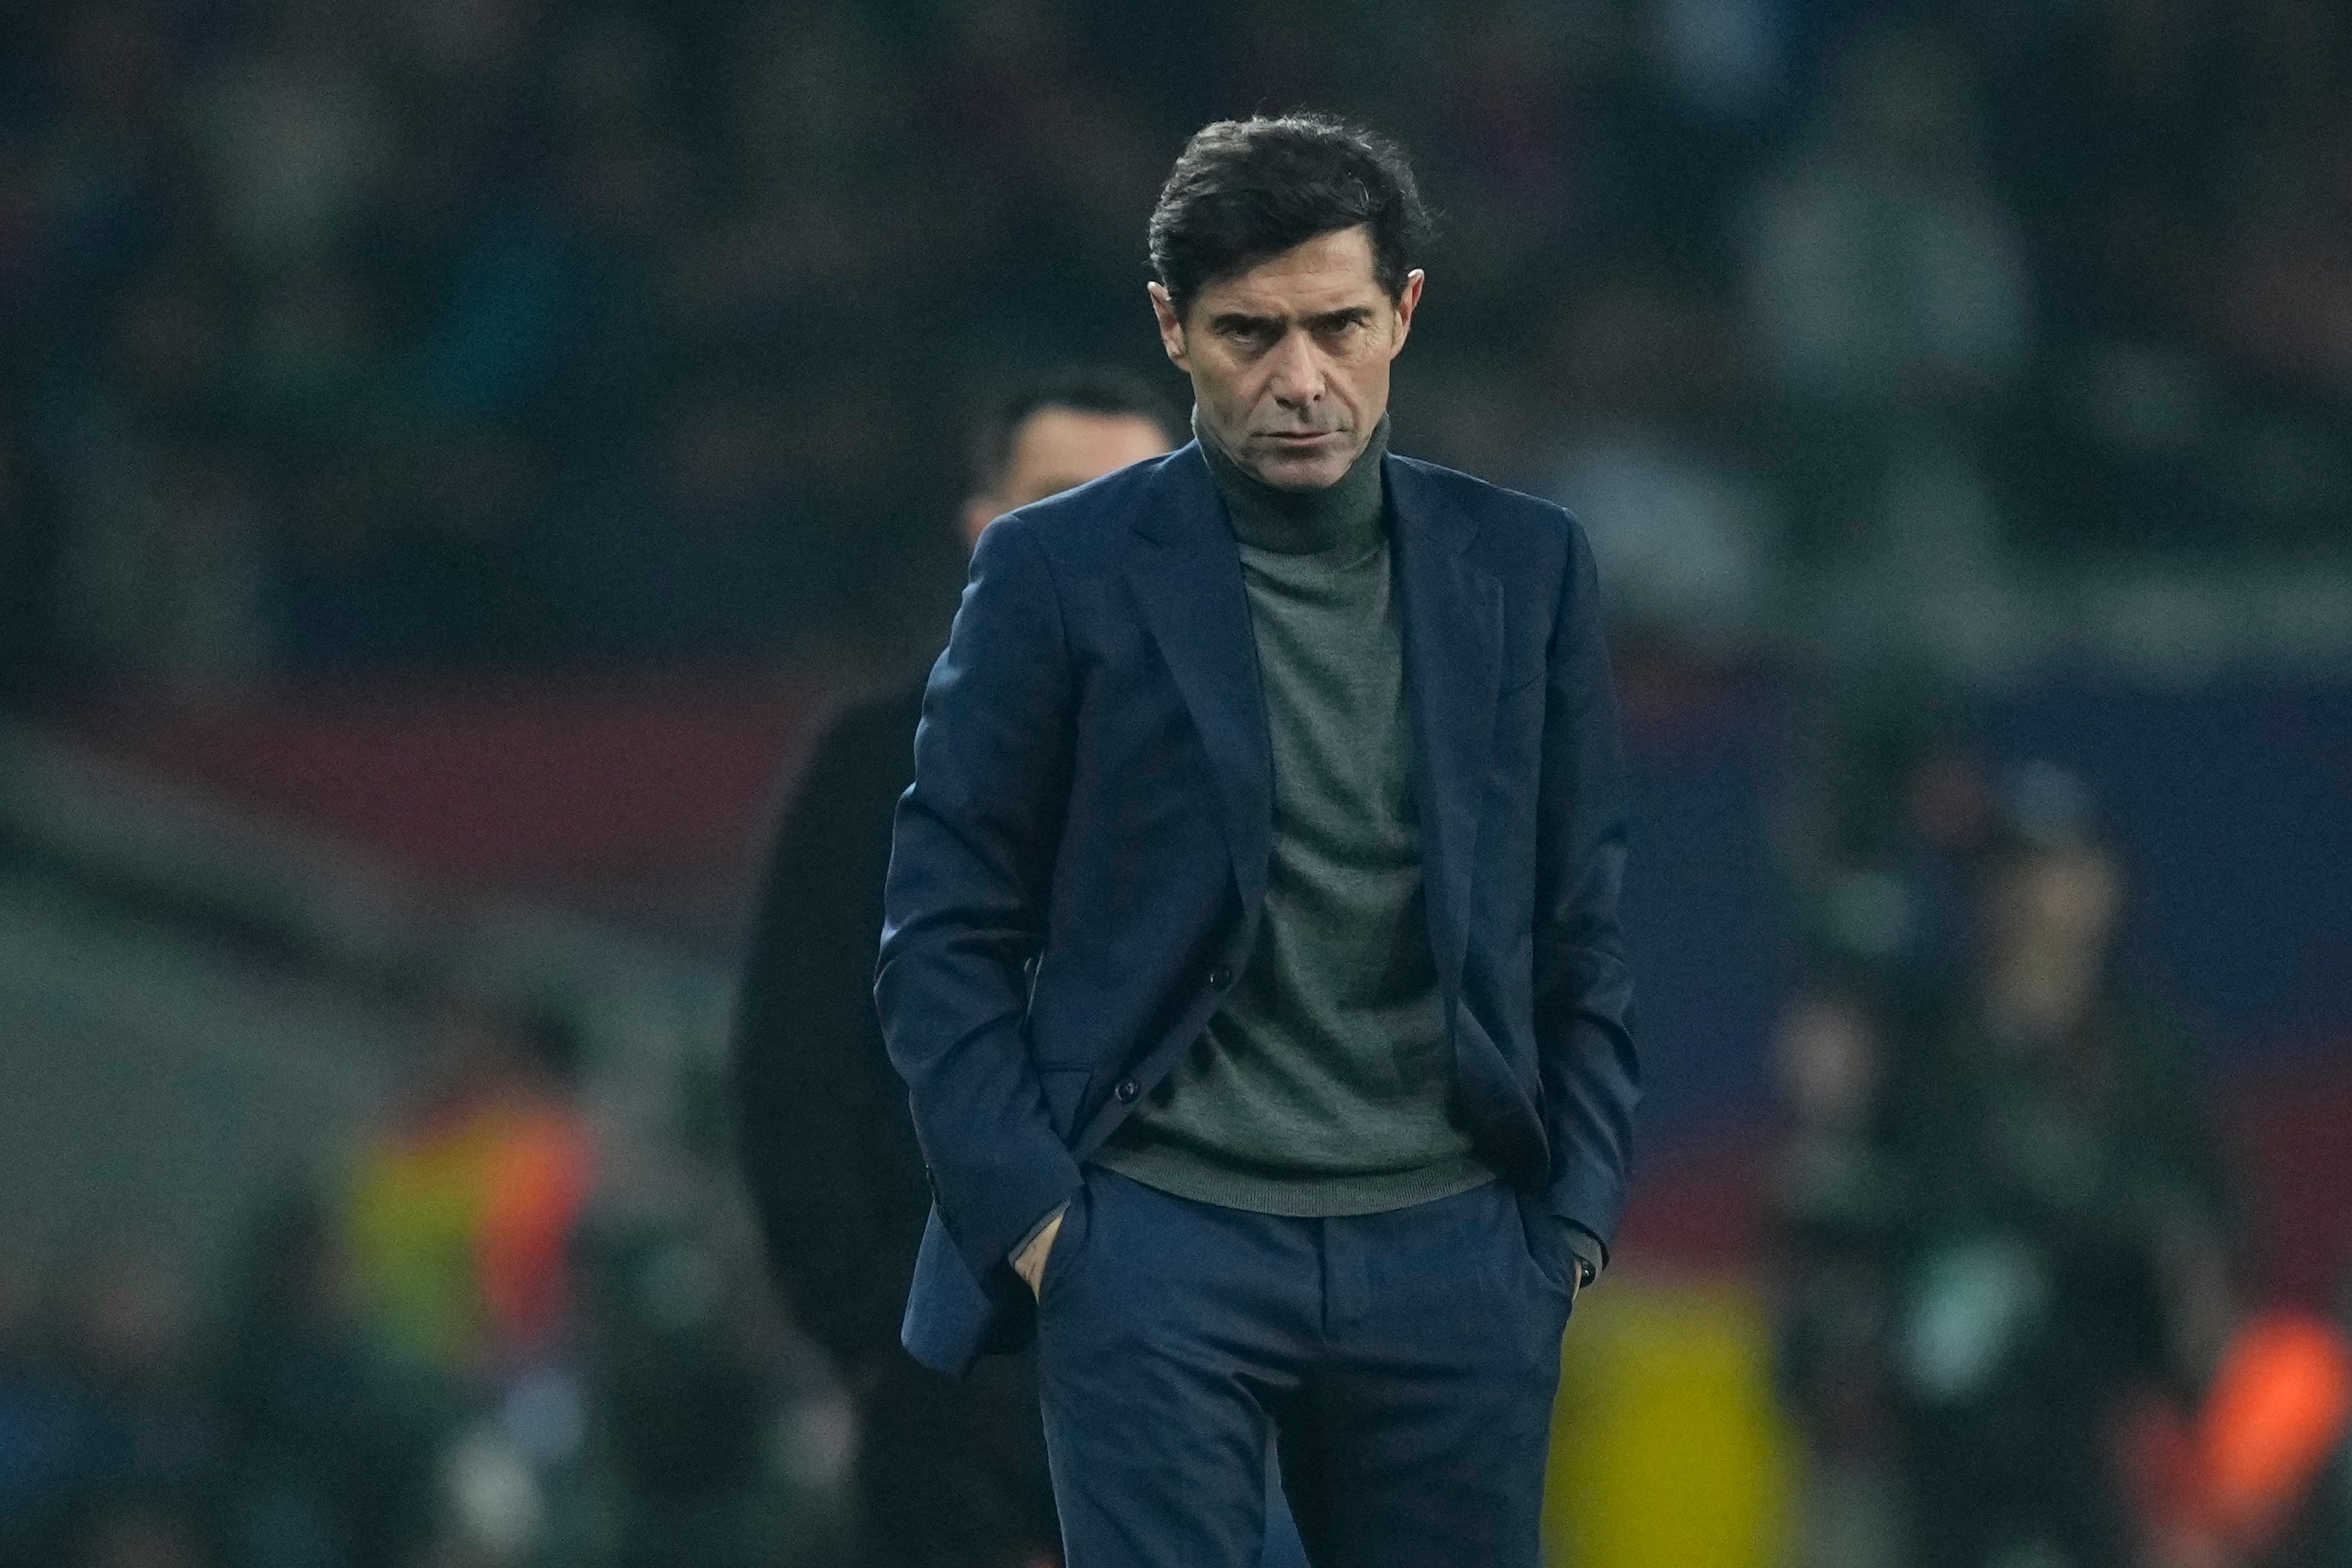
2056, 902
1289, 360
1056, 448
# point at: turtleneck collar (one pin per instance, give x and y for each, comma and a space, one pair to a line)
1343, 513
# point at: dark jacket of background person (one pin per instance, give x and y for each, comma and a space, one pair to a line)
947, 1474
2060, 1195
824, 1134
1078, 871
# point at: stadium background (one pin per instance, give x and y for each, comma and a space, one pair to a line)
453, 453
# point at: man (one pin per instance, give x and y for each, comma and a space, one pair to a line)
946, 1475
1252, 956
2069, 1219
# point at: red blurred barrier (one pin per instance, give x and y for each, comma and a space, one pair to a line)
558, 787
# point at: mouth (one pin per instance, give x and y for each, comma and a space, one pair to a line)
1296, 439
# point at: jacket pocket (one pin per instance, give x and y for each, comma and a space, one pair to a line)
1077, 1224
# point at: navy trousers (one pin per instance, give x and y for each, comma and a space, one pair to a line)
1402, 1364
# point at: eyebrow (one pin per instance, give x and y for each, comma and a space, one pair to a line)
1240, 321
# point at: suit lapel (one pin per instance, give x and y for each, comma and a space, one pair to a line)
1189, 582
1453, 658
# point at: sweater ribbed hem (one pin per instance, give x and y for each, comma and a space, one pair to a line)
1293, 1194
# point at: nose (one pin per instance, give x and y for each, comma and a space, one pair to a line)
1295, 372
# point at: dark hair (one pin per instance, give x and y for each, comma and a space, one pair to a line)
1082, 388
1247, 189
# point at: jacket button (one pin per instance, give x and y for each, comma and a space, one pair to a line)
1126, 1091
1221, 977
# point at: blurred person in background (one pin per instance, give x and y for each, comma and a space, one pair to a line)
1228, 945
458, 1215
25, 1402
1838, 1201
2067, 1215
110, 1451
1685, 532
1902, 812
947, 1474
334, 1435
691, 1405
28, 650
460, 1209
2243, 1457
1890, 306
2248, 1463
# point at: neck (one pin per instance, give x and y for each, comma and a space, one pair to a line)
1344, 512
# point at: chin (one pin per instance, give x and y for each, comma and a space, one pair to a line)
1320, 471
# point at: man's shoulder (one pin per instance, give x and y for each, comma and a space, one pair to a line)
1090, 524
1488, 503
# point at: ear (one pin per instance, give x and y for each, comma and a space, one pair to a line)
1407, 298
1171, 328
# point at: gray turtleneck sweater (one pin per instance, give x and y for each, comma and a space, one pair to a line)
1324, 1084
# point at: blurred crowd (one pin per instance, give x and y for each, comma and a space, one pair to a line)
2023, 1328
468, 1343
428, 337
532, 333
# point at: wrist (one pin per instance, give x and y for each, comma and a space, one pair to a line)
1029, 1260
1020, 1253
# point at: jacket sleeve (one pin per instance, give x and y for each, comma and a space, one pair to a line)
965, 903
1583, 989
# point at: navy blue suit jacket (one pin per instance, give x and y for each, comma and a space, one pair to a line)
1078, 870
